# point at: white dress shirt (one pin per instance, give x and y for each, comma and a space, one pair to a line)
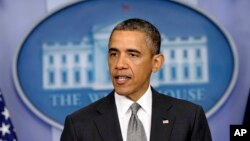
144, 113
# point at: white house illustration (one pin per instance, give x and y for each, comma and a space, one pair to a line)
100, 35
84, 64
67, 65
186, 60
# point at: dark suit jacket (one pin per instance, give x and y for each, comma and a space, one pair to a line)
99, 121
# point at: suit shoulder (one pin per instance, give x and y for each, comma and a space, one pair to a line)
182, 109
90, 110
178, 103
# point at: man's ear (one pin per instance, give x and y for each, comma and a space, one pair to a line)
158, 61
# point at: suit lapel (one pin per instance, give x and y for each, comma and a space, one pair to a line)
162, 122
108, 122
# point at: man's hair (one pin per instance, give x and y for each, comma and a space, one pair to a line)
153, 37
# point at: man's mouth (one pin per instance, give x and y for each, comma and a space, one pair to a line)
122, 79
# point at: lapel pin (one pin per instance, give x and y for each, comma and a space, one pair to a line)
165, 121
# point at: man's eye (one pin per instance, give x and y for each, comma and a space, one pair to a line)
112, 54
133, 55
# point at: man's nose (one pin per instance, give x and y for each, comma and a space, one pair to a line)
121, 62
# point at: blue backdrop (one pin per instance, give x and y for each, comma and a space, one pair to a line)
18, 18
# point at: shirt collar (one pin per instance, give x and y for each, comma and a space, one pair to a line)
123, 103
146, 101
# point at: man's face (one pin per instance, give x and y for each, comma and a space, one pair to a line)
130, 63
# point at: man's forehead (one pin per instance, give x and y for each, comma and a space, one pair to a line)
127, 32
129, 37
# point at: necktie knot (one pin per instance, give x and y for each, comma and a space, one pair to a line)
134, 108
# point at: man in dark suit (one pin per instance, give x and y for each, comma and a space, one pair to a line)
134, 53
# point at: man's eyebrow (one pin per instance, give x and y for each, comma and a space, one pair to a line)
133, 51
130, 50
112, 49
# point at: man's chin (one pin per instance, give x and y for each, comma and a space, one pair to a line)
122, 93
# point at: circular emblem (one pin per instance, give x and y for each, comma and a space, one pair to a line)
61, 65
